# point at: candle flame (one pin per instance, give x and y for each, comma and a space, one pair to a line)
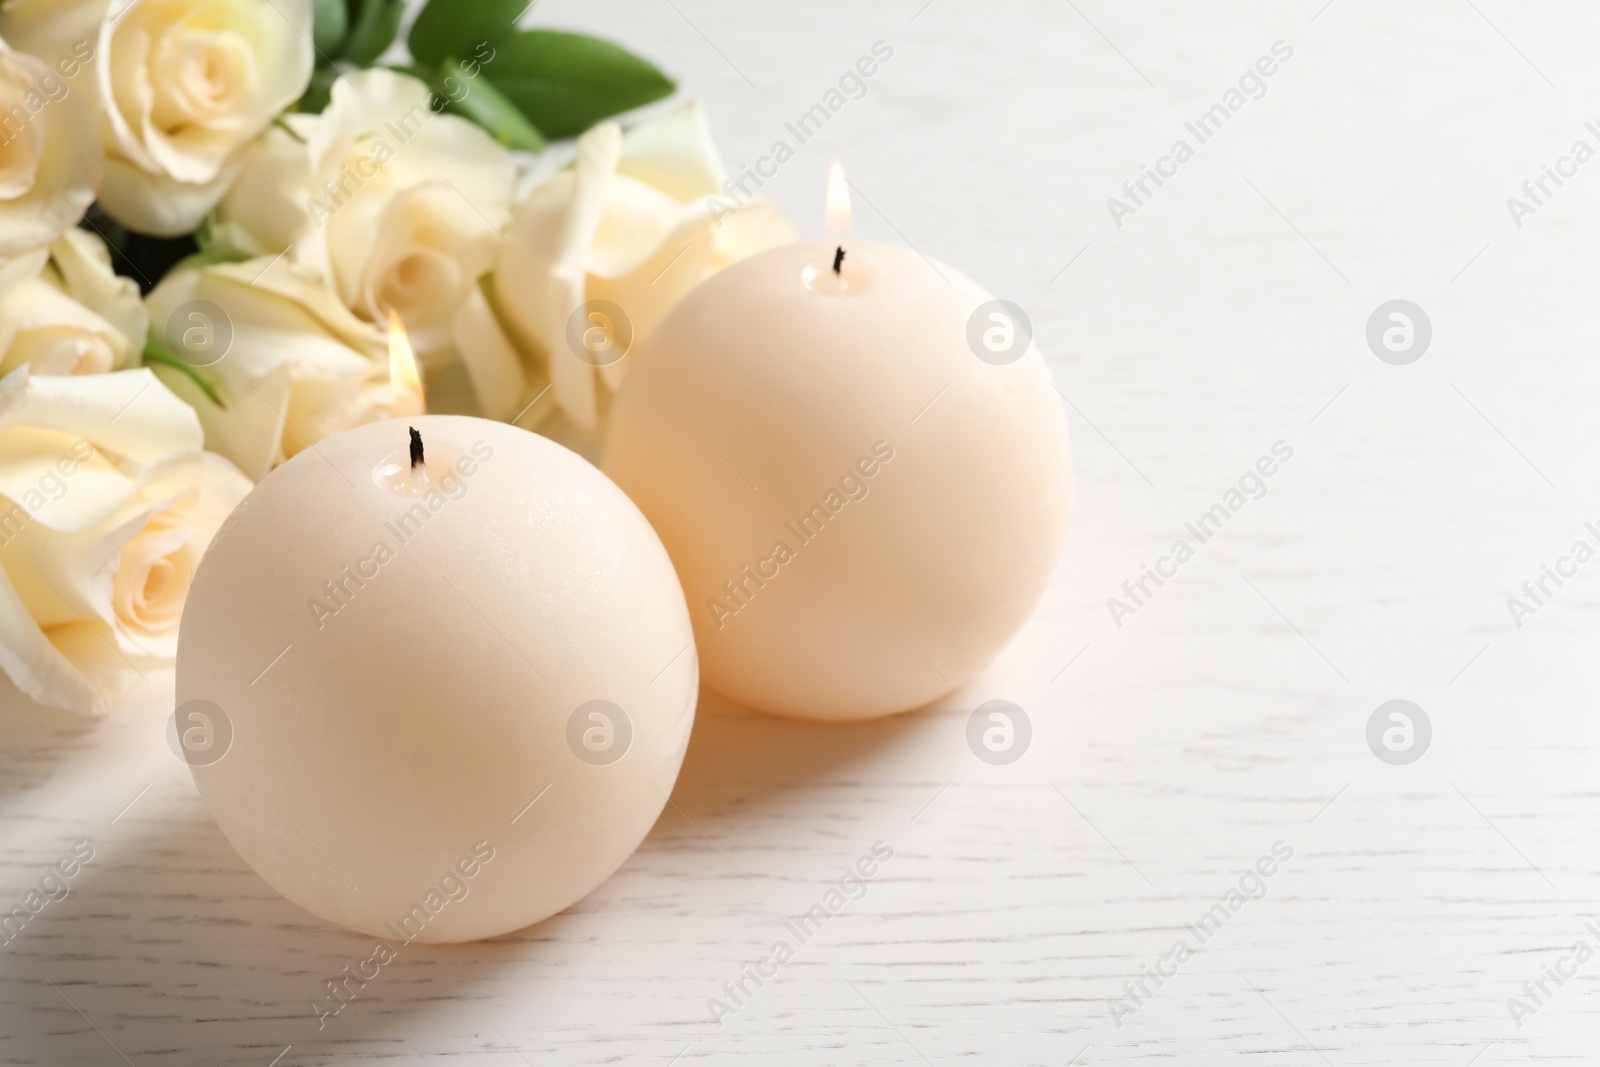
838, 209
403, 374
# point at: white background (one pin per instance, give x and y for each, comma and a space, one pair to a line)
1228, 714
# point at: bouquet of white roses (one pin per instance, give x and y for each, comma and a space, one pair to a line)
209, 212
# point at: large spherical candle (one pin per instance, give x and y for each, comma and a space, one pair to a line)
440, 701
862, 475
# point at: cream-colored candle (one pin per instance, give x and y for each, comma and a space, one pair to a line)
862, 475
435, 701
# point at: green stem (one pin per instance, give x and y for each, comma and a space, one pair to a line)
156, 352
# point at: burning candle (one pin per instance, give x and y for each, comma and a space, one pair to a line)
405, 378
858, 464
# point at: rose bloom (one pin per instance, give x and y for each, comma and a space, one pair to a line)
180, 86
292, 364
627, 223
399, 207
106, 506
71, 314
50, 157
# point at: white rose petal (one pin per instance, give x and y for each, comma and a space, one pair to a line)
400, 208
628, 223
42, 326
497, 374
181, 87
80, 266
50, 157
74, 316
265, 210
106, 505
406, 215
23, 267
675, 154
300, 366
755, 226
426, 256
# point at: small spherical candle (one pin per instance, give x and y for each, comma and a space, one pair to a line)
860, 469
435, 679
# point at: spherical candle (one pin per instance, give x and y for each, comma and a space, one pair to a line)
860, 469
435, 686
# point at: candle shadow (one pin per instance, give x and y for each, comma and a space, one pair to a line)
170, 946
37, 741
736, 751
167, 947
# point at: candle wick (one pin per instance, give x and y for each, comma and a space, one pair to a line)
838, 258
416, 448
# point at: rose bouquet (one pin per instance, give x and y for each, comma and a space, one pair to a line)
210, 213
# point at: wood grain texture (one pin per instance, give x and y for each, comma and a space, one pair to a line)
1169, 753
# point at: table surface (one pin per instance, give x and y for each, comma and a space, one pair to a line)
1026, 906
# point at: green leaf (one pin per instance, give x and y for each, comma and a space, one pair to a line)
331, 23
315, 99
416, 70
475, 98
204, 239
566, 82
461, 27
159, 354
373, 26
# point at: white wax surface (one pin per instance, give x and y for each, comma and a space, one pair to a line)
402, 737
775, 383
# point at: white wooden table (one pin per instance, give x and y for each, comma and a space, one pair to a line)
1171, 753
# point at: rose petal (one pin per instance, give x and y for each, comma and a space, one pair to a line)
81, 267
521, 280
79, 613
429, 252
127, 413
68, 459
49, 672
65, 172
39, 322
755, 226
571, 379
655, 284
634, 222
300, 367
629, 223
250, 431
158, 204
491, 361
674, 154
22, 267
264, 212
73, 576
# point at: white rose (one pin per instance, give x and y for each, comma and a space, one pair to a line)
400, 207
50, 157
627, 223
106, 505
182, 86
73, 316
290, 361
